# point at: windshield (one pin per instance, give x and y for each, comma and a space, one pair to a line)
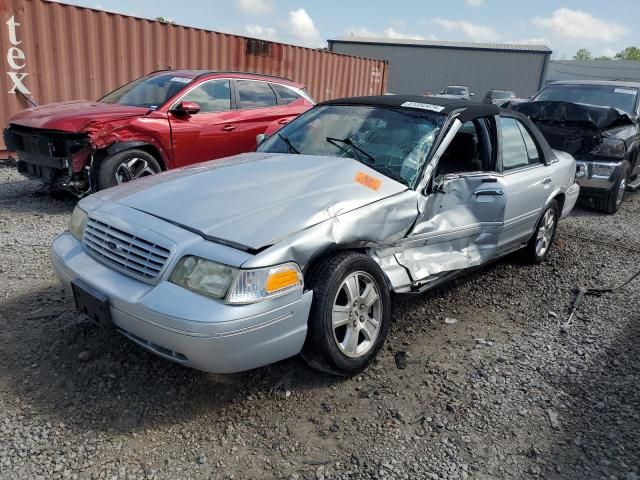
455, 91
151, 91
623, 98
393, 141
500, 94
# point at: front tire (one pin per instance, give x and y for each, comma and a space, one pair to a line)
350, 314
611, 202
126, 166
538, 248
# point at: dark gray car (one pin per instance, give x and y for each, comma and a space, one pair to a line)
597, 123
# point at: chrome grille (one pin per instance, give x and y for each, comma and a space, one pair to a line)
129, 253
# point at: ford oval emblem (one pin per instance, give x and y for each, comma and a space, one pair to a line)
113, 245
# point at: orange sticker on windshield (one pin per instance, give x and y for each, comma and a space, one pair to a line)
368, 181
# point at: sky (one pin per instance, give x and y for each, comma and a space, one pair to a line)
564, 26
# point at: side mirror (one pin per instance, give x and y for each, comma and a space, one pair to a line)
188, 108
261, 138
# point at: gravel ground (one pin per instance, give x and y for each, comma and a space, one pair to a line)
495, 391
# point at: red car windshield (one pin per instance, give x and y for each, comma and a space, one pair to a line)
150, 91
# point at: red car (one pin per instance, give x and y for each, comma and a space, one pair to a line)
164, 120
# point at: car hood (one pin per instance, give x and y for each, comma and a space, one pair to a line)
73, 116
253, 200
579, 114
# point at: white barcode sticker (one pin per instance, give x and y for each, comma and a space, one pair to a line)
181, 79
423, 106
628, 91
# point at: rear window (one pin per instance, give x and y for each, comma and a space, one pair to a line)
286, 94
623, 98
455, 91
255, 94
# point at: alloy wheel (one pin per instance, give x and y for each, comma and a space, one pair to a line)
545, 232
132, 169
356, 316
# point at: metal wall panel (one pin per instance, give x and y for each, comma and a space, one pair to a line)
621, 70
73, 53
417, 70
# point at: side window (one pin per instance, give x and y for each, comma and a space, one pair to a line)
465, 153
212, 96
532, 148
514, 151
286, 94
255, 94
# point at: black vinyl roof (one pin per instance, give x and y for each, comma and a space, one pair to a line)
421, 103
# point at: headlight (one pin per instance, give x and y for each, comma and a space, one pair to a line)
610, 147
77, 223
602, 170
252, 286
203, 276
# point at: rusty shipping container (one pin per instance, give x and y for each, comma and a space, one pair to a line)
55, 52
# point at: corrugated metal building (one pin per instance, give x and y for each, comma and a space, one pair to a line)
417, 66
626, 70
54, 52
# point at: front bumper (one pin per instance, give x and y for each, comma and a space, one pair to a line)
597, 177
185, 327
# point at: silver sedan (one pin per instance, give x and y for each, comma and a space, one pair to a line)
296, 248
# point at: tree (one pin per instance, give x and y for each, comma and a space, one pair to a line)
629, 53
603, 57
583, 54
164, 20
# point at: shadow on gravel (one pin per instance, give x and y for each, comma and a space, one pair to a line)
602, 434
120, 387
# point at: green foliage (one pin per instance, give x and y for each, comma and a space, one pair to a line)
583, 54
164, 20
629, 53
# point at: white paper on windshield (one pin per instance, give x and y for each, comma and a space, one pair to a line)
423, 106
181, 79
625, 90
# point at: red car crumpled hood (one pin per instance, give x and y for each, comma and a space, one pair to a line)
73, 116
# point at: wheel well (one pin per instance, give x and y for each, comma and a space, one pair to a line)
103, 153
150, 149
633, 158
560, 198
313, 264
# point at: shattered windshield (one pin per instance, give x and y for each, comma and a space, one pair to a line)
623, 98
150, 91
392, 141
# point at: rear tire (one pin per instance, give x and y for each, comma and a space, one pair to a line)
538, 248
126, 166
611, 202
350, 314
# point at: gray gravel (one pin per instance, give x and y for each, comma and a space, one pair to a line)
495, 391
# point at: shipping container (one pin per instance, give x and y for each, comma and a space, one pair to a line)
55, 52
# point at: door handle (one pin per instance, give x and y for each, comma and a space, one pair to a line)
547, 180
489, 191
229, 128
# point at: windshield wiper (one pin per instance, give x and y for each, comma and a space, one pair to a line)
348, 141
290, 146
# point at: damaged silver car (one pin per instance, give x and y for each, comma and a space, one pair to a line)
297, 248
